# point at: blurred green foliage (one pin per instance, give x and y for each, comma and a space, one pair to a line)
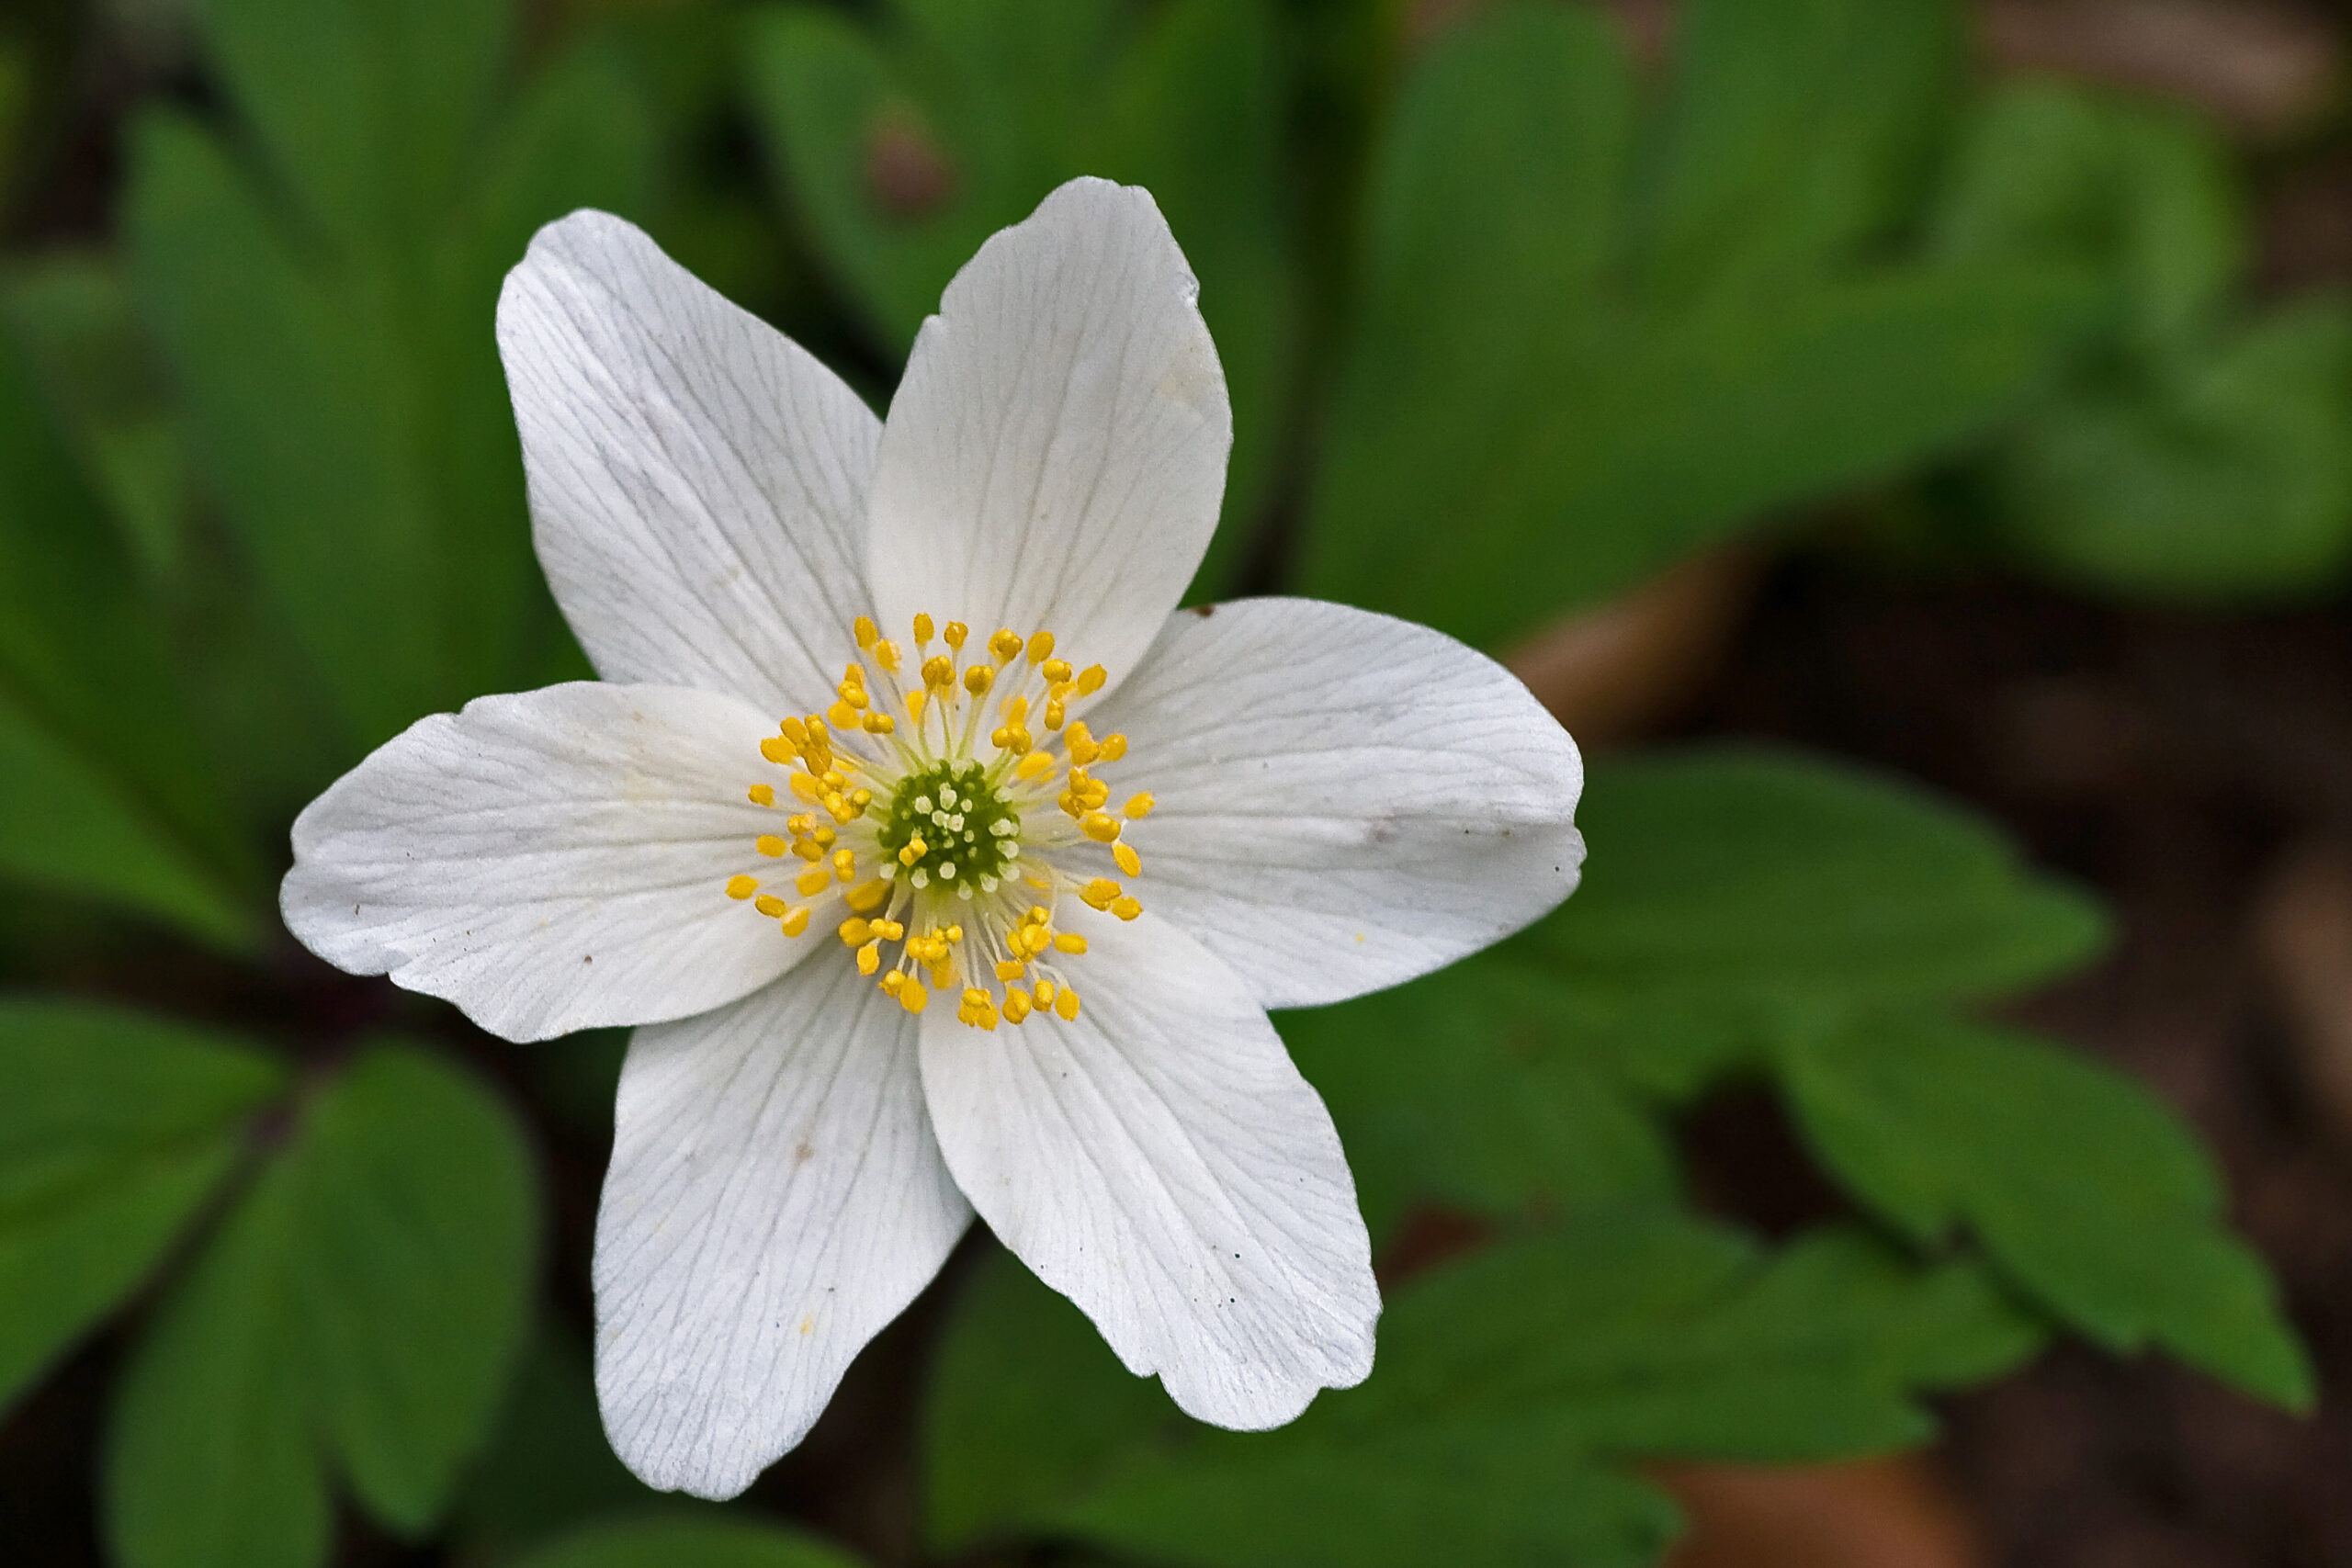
1511, 324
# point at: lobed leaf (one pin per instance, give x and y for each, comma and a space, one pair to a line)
1474, 1089
1554, 390
2078, 1184
343, 385
1771, 888
1507, 1387
361, 1307
115, 1129
104, 794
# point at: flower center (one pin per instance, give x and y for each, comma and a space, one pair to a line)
938, 824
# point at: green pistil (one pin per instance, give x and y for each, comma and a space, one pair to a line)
967, 830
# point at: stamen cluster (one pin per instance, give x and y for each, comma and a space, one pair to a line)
936, 840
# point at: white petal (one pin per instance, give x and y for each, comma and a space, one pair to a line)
1055, 455
1161, 1163
551, 861
1345, 801
697, 481
775, 1198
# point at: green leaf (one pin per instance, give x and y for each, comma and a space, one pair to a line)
1506, 1385
210, 1463
368, 111
74, 312
547, 1466
2076, 1181
1764, 890
113, 1130
904, 147
344, 392
1519, 426
362, 1306
106, 790
2061, 175
1472, 1088
652, 1544
1794, 130
2225, 475
1472, 1495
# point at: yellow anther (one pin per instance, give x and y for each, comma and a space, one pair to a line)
1065, 1004
1056, 671
867, 896
740, 887
807, 788
914, 705
1138, 807
855, 697
922, 630
880, 724
1005, 644
821, 836
885, 654
1090, 679
796, 921
1010, 969
769, 845
855, 933
1043, 992
976, 997
794, 731
1015, 709
809, 850
888, 931
1038, 916
1016, 1006
891, 982
1126, 909
1101, 828
1055, 713
939, 671
956, 632
1035, 765
861, 798
776, 750
1082, 747
1114, 748
979, 679
911, 996
845, 866
865, 630
1099, 893
768, 904
1041, 646
801, 822
869, 958
912, 851
761, 795
844, 715
1069, 942
814, 881
1129, 862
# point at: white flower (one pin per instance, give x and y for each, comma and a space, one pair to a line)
913, 952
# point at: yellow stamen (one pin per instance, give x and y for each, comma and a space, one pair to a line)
1065, 1004
1114, 748
922, 630
1070, 942
1016, 1006
885, 654
1034, 766
977, 678
1129, 862
814, 881
1126, 909
1041, 648
796, 921
865, 630
956, 632
771, 905
845, 866
1055, 671
1102, 829
762, 794
1099, 893
855, 933
1006, 645
769, 845
869, 958
1090, 679
867, 896
740, 887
